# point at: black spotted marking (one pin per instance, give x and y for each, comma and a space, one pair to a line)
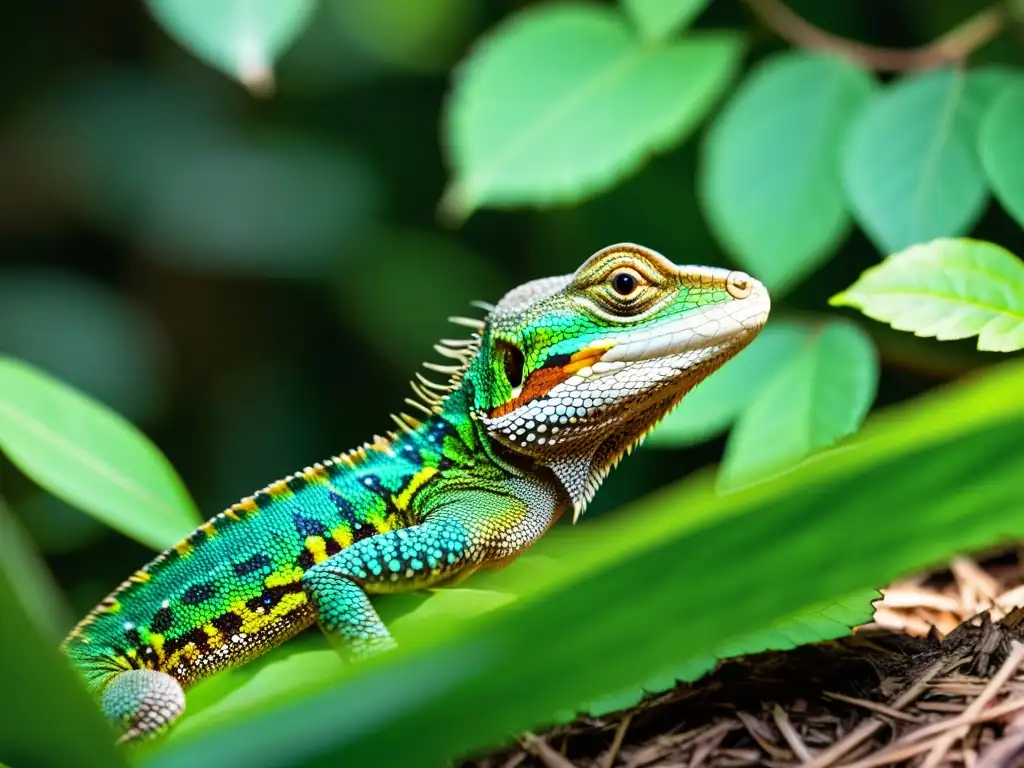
197, 537
133, 660
363, 531
557, 361
255, 563
263, 499
271, 596
307, 526
229, 623
197, 593
163, 620
444, 463
197, 636
133, 638
305, 560
331, 547
297, 483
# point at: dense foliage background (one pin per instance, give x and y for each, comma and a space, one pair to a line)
251, 276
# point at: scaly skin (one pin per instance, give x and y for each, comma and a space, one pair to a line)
563, 377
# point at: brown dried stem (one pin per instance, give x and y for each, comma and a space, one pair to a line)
952, 48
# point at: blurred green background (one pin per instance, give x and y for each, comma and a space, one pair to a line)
252, 281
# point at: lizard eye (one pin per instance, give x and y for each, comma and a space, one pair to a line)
625, 282
512, 358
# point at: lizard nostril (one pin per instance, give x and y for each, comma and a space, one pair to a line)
738, 284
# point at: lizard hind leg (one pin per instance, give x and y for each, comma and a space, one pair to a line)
142, 703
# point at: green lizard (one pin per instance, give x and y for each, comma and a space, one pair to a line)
561, 379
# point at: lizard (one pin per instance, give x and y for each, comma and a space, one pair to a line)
562, 378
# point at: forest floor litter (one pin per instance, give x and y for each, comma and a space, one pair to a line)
936, 680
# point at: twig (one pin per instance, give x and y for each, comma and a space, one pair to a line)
613, 751
790, 735
952, 48
545, 753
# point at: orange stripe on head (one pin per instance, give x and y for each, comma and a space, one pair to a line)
543, 380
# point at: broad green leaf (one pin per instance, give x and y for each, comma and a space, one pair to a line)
659, 19
242, 37
770, 182
675, 576
1001, 146
910, 167
827, 621
947, 289
563, 100
816, 624
48, 720
87, 455
820, 394
714, 404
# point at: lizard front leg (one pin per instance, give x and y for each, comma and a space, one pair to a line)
472, 529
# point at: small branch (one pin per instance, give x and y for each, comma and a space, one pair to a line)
952, 48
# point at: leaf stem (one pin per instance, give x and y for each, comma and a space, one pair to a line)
952, 48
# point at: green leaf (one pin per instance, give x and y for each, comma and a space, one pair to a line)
815, 624
48, 719
1001, 146
33, 583
87, 455
242, 38
563, 100
660, 19
827, 621
675, 576
714, 404
408, 34
910, 166
947, 289
820, 394
771, 182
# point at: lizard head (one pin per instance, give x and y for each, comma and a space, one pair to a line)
577, 369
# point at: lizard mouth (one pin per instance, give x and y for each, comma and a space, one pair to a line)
719, 326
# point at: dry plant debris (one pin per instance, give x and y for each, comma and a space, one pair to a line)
937, 679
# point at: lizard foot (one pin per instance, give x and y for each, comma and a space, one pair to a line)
143, 702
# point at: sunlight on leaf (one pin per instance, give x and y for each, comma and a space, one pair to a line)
659, 19
1001, 146
242, 37
816, 624
820, 394
910, 166
947, 289
770, 182
562, 101
89, 456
